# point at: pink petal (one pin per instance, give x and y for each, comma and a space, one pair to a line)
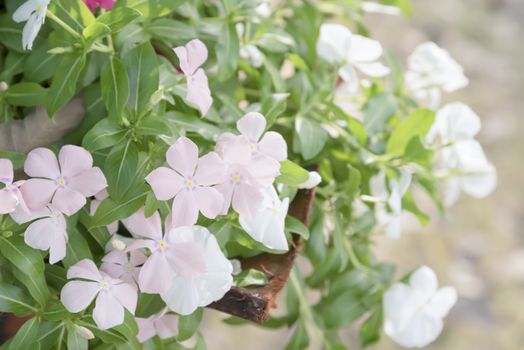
21, 217
113, 270
183, 156
236, 150
74, 160
88, 182
107, 4
226, 190
85, 269
68, 201
167, 326
247, 200
137, 258
211, 170
38, 192
102, 195
192, 56
165, 183
222, 140
209, 201
40, 234
140, 244
126, 294
185, 209
57, 249
6, 171
141, 226
263, 170
8, 202
273, 145
252, 126
146, 329
156, 274
77, 295
108, 312
116, 257
42, 162
198, 92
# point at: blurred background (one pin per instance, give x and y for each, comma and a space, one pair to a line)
479, 246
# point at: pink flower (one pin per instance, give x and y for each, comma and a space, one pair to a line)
191, 57
47, 233
105, 4
202, 274
161, 324
122, 265
112, 295
247, 175
10, 196
189, 183
156, 274
66, 185
112, 228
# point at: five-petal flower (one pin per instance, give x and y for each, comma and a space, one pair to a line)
123, 265
112, 295
10, 195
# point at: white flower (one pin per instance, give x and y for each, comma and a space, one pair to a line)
162, 324
123, 265
337, 45
249, 52
349, 100
201, 272
33, 12
313, 180
267, 226
431, 71
414, 312
373, 7
390, 220
263, 10
460, 159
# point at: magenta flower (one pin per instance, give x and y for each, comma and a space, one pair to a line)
105, 4
123, 265
47, 232
10, 195
156, 274
247, 175
189, 183
66, 185
191, 57
112, 295
162, 324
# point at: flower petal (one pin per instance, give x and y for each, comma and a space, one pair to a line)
42, 162
167, 326
74, 160
146, 329
68, 201
247, 200
78, 295
141, 226
422, 330
6, 171
88, 182
198, 92
8, 202
85, 269
185, 209
165, 183
273, 145
424, 281
373, 69
156, 274
334, 42
38, 192
182, 296
23, 13
211, 170
126, 294
443, 300
252, 126
57, 249
263, 170
183, 156
226, 190
364, 49
191, 56
108, 312
209, 201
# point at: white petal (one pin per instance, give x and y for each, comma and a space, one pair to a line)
440, 304
334, 42
25, 10
364, 49
373, 69
108, 312
424, 282
77, 295
182, 297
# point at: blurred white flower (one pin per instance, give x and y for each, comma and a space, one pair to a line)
249, 52
337, 45
414, 312
392, 198
373, 7
267, 226
431, 71
350, 100
33, 13
263, 10
460, 159
313, 180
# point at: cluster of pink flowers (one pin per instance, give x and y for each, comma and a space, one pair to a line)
105, 4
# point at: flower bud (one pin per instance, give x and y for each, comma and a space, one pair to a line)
3, 86
84, 332
118, 244
237, 266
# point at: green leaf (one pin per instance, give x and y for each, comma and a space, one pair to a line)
118, 17
300, 338
104, 134
95, 31
153, 125
416, 124
13, 299
29, 266
121, 169
129, 328
170, 30
26, 95
227, 51
292, 174
115, 87
311, 136
294, 225
74, 12
74, 339
370, 330
417, 152
110, 335
56, 312
77, 248
11, 33
110, 211
63, 87
250, 277
187, 325
26, 335
142, 68
40, 65
377, 112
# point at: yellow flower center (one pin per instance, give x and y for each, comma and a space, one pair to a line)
190, 184
61, 182
129, 267
104, 285
235, 178
162, 244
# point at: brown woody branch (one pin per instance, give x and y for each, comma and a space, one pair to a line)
254, 304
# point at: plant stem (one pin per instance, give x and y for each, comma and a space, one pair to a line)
62, 24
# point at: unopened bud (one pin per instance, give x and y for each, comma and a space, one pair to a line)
237, 266
85, 332
313, 180
118, 244
3, 86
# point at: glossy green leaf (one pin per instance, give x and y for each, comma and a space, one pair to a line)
115, 87
13, 299
26, 94
292, 174
110, 211
106, 133
118, 17
26, 335
311, 137
416, 124
294, 225
377, 112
